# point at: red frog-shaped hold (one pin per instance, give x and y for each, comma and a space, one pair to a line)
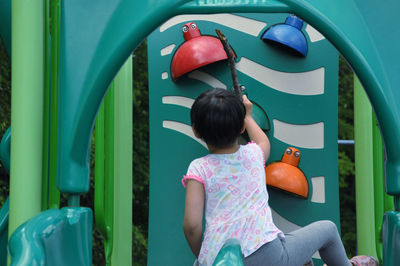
197, 51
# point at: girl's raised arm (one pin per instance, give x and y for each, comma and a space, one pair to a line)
255, 132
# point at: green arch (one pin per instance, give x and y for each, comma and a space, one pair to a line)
97, 37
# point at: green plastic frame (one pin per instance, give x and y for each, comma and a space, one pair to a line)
89, 61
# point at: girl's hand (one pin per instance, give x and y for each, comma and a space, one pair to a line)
253, 130
248, 105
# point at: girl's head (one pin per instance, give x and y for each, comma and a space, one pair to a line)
217, 117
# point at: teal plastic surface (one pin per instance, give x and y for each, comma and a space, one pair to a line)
89, 60
4, 211
261, 117
5, 24
54, 237
299, 108
360, 30
5, 149
391, 238
230, 254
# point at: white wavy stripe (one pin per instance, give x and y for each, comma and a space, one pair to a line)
287, 226
184, 129
318, 188
167, 50
250, 26
301, 83
315, 36
309, 136
207, 78
178, 100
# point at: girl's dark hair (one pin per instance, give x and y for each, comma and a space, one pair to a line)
217, 115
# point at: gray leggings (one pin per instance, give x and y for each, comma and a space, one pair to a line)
298, 246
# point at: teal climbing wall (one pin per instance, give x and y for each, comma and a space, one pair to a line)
298, 94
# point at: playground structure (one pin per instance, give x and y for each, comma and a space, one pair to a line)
90, 41
286, 89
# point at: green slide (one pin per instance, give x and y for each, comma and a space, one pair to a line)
54, 237
40, 236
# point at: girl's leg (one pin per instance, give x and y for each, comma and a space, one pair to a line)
299, 246
270, 254
323, 236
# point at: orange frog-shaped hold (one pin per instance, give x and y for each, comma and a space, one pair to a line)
285, 175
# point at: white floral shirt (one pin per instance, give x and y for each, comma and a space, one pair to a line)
236, 201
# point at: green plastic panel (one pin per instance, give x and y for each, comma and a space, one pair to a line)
122, 216
54, 193
96, 39
364, 170
113, 169
27, 81
362, 33
299, 95
54, 237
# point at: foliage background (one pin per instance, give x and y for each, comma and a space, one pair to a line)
141, 155
5, 113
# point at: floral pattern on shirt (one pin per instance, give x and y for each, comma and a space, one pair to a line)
236, 201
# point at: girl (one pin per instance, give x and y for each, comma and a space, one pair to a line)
230, 184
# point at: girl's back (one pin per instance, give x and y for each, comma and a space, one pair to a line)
236, 204
230, 183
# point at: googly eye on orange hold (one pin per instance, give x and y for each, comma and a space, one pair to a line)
285, 175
